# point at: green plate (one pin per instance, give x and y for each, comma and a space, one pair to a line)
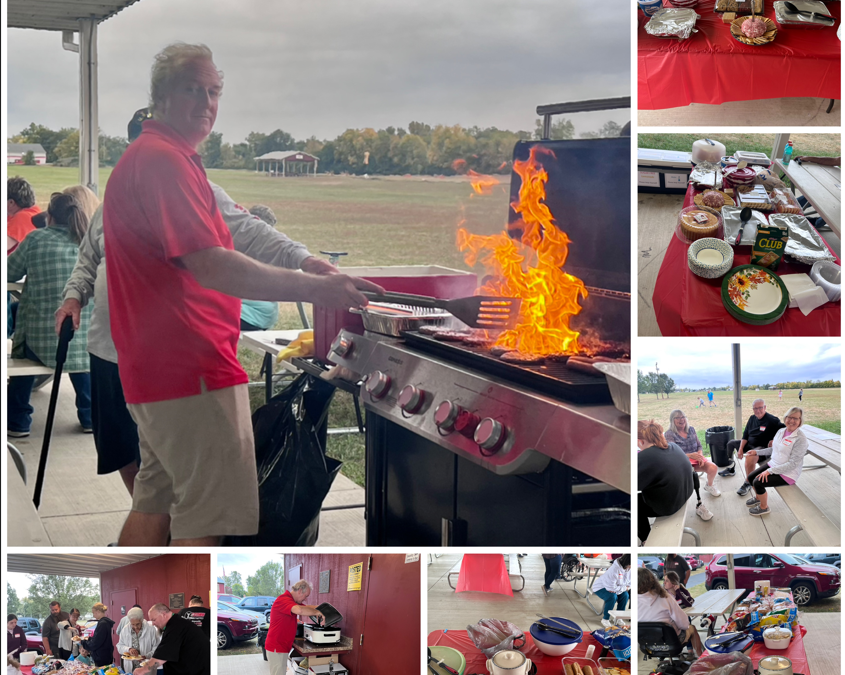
754, 295
451, 657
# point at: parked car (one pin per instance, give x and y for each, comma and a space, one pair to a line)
257, 603
232, 599
782, 570
834, 559
692, 561
263, 623
653, 563
234, 627
29, 623
34, 642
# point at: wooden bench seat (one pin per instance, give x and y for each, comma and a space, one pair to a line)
668, 531
23, 367
811, 520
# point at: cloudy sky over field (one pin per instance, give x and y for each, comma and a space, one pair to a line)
320, 67
247, 565
698, 363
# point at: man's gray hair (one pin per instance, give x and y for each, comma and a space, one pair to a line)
168, 65
265, 213
301, 585
757, 400
135, 613
159, 608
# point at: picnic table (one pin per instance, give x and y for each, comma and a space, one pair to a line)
824, 445
593, 565
685, 304
546, 665
821, 185
620, 615
713, 67
719, 602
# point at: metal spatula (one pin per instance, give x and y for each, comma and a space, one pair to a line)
478, 311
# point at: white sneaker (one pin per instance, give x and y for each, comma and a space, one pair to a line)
713, 490
703, 512
606, 623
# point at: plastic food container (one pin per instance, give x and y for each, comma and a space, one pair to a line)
777, 638
707, 150
554, 644
650, 7
688, 235
756, 158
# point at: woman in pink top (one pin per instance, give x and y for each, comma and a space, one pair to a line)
654, 604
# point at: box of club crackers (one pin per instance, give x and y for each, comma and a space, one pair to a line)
769, 246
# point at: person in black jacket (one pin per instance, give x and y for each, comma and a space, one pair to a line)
15, 637
760, 430
100, 645
665, 478
198, 614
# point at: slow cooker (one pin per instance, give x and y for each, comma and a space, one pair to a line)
327, 632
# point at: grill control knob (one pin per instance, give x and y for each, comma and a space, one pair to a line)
446, 415
490, 434
411, 399
378, 384
342, 345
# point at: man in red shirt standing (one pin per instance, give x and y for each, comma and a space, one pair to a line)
175, 283
283, 617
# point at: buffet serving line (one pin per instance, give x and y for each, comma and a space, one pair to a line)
536, 651
711, 66
782, 278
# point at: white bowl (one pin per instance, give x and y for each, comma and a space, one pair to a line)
27, 658
555, 650
776, 643
710, 258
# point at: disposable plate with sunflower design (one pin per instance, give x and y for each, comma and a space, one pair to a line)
754, 295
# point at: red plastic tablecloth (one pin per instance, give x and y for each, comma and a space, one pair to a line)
713, 67
795, 653
484, 572
685, 304
477, 662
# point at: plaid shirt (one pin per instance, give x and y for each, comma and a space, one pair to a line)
46, 258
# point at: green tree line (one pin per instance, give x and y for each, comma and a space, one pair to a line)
419, 149
269, 579
659, 384
72, 592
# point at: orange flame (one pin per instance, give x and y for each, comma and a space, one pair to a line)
531, 269
482, 184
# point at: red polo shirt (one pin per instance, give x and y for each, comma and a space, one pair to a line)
20, 224
171, 334
282, 625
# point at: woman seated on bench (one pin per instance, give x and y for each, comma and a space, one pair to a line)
683, 435
613, 587
665, 478
655, 604
786, 460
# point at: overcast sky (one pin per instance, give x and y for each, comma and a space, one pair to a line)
700, 363
20, 582
247, 565
323, 66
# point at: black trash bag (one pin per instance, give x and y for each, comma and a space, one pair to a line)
294, 474
717, 438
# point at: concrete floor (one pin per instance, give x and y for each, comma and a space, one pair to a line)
657, 216
822, 643
80, 508
769, 112
732, 526
450, 610
244, 664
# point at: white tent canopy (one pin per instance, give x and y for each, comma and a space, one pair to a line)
69, 17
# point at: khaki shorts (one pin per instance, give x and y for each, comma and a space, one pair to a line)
198, 463
278, 663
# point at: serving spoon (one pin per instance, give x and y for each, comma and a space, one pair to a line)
813, 15
744, 217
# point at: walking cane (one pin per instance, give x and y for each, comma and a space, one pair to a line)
65, 336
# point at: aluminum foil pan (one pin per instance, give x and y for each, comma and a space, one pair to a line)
804, 245
732, 223
674, 23
706, 174
393, 320
786, 18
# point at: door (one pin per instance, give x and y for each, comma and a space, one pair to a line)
120, 602
743, 571
391, 617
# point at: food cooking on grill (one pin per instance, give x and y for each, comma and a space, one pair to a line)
698, 223
450, 335
753, 27
584, 364
429, 330
478, 341
498, 350
523, 359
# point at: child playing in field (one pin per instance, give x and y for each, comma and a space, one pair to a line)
672, 584
700, 402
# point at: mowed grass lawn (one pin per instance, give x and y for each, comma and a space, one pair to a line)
392, 220
816, 145
822, 408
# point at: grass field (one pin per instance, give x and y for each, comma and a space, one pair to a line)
817, 145
822, 408
379, 221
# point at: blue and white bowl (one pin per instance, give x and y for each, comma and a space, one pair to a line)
710, 258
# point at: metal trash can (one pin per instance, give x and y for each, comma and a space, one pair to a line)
717, 438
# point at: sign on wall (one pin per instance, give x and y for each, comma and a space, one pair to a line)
177, 600
355, 573
325, 578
